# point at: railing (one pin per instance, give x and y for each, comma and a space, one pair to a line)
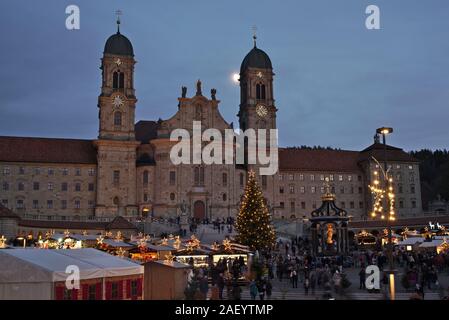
42, 217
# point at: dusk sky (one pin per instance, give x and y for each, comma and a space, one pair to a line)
335, 82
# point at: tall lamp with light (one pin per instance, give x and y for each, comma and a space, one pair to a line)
382, 194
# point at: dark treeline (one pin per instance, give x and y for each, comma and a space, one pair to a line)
434, 174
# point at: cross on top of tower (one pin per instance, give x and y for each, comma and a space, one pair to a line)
118, 13
254, 35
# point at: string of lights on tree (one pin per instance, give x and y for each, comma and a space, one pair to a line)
253, 223
382, 193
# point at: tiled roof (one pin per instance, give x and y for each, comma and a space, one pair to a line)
6, 213
337, 160
318, 160
377, 150
48, 150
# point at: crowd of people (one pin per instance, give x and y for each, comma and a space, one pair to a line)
290, 264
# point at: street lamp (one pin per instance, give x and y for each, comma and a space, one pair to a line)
388, 192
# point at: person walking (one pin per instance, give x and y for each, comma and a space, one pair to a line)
362, 278
269, 289
261, 287
306, 286
220, 285
236, 290
294, 278
253, 290
313, 281
204, 287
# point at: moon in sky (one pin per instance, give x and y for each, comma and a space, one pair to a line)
236, 77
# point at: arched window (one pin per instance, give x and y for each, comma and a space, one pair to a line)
118, 80
116, 201
117, 118
260, 91
145, 177
225, 197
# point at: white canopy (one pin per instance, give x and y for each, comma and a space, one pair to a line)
45, 265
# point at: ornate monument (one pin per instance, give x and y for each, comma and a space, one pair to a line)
329, 227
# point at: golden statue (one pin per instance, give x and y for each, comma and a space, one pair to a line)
330, 233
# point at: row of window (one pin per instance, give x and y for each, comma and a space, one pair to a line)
50, 171
198, 177
397, 166
36, 186
313, 189
313, 177
400, 204
49, 204
401, 188
224, 197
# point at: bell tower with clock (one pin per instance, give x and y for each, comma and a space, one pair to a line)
116, 145
257, 109
117, 100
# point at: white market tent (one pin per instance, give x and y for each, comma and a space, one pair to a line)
32, 273
411, 241
431, 244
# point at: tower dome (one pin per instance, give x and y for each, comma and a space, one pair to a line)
118, 44
256, 58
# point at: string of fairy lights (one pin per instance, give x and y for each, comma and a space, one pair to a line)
383, 194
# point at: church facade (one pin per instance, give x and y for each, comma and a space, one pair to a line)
126, 171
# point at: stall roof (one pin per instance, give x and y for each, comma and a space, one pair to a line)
174, 264
430, 244
410, 241
117, 244
82, 237
160, 247
113, 266
39, 265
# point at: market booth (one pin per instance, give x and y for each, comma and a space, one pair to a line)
34, 274
365, 240
229, 250
437, 244
192, 253
165, 280
410, 244
150, 252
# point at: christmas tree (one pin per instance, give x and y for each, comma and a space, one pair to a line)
253, 223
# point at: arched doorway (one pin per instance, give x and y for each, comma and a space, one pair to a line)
199, 210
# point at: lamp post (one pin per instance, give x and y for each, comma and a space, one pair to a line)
384, 131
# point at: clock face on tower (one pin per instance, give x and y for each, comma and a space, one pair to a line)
261, 110
117, 102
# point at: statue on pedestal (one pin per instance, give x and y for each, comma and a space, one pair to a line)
198, 88
183, 92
